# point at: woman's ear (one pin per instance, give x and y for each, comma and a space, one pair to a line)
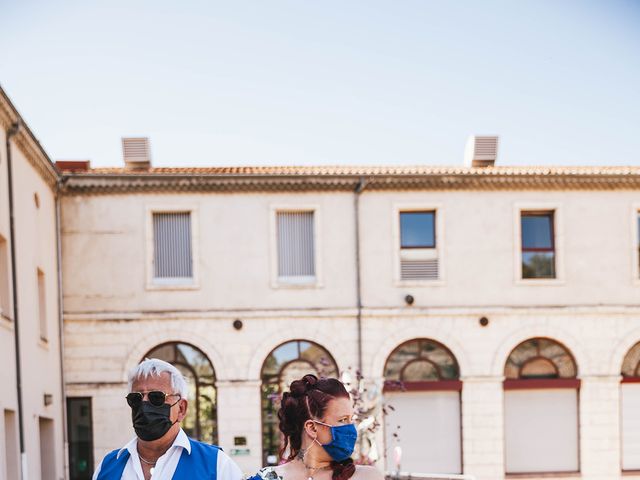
310, 428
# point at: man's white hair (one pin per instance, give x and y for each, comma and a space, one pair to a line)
155, 366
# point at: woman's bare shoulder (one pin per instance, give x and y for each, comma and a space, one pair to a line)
367, 472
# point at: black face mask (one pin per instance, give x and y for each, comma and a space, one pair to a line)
151, 422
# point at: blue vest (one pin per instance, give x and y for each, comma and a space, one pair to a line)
201, 464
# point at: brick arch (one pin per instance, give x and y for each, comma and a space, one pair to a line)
506, 346
265, 347
629, 339
169, 336
397, 338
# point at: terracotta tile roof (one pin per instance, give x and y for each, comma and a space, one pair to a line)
362, 171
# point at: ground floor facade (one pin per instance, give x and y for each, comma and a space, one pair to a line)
492, 392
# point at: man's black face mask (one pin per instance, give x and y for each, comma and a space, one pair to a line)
151, 422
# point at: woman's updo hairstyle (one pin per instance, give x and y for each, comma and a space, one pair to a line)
307, 399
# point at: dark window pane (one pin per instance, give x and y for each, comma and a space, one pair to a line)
537, 231
631, 364
80, 430
417, 230
538, 265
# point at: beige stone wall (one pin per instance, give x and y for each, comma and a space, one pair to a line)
35, 232
112, 319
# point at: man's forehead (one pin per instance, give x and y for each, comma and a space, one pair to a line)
152, 381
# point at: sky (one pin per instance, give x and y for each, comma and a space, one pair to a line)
362, 82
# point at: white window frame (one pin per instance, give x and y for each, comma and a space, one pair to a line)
558, 241
278, 282
635, 267
439, 238
192, 283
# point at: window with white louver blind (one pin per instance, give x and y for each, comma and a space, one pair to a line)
418, 249
172, 249
296, 246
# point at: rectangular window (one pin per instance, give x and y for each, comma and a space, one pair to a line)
11, 453
418, 254
80, 428
42, 305
296, 246
5, 303
538, 245
417, 230
172, 249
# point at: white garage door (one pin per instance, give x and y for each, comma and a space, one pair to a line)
429, 431
541, 430
630, 406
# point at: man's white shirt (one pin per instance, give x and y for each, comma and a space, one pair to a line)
166, 465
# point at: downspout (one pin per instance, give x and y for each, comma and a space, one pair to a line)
63, 405
13, 130
356, 208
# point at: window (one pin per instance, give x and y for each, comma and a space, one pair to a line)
172, 249
541, 408
286, 363
630, 409
296, 247
201, 421
80, 430
417, 230
538, 246
422, 385
5, 303
42, 305
418, 254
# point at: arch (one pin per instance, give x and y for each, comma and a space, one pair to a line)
425, 351
283, 336
631, 362
629, 339
201, 421
290, 353
147, 343
540, 357
527, 332
397, 338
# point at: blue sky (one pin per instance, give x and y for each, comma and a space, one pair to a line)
327, 82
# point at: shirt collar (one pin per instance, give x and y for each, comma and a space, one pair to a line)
181, 440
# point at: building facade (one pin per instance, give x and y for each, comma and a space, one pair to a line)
493, 312
32, 402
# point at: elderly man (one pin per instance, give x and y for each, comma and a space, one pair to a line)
161, 450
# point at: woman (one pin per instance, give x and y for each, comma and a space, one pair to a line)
316, 419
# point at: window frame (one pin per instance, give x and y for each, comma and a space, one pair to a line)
167, 284
438, 248
43, 319
303, 282
558, 243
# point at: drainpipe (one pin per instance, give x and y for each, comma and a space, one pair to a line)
13, 130
63, 406
362, 183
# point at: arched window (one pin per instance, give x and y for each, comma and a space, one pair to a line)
541, 408
201, 421
285, 363
422, 386
630, 409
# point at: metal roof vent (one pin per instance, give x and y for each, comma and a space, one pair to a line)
136, 153
481, 151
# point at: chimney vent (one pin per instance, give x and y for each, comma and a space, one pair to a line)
136, 153
481, 151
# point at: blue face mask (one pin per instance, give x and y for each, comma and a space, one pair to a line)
343, 441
